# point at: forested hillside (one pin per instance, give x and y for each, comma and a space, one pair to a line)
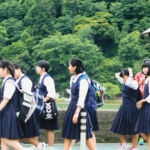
104, 34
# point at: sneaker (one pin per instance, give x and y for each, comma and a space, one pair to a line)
126, 147
41, 146
141, 141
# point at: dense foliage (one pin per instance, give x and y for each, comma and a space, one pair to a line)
106, 35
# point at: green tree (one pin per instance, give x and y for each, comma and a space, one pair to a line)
14, 28
3, 37
59, 49
130, 49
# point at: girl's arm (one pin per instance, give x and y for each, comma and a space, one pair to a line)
131, 83
83, 89
147, 99
3, 103
117, 75
50, 86
9, 90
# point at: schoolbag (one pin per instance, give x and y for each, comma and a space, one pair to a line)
91, 98
26, 104
39, 99
100, 91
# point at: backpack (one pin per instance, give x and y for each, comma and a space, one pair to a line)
26, 104
100, 91
91, 98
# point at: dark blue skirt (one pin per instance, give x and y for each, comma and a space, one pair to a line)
9, 124
94, 121
125, 120
30, 128
71, 130
48, 124
143, 121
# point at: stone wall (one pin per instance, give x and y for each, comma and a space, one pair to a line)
105, 119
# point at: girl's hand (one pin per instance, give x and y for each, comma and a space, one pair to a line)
75, 117
140, 104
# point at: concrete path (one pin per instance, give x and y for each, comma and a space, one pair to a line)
100, 146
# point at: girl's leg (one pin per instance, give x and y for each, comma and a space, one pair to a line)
94, 140
4, 146
33, 141
72, 144
134, 140
67, 143
13, 143
50, 137
145, 136
148, 141
90, 144
19, 140
122, 138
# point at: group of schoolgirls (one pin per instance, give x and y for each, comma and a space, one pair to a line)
13, 130
133, 116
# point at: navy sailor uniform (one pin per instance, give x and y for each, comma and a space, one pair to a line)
71, 130
46, 124
127, 114
30, 128
9, 123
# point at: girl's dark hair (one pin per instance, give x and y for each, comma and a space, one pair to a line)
146, 63
17, 66
43, 64
78, 63
124, 72
8, 65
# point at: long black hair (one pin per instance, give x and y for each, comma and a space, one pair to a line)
8, 65
79, 65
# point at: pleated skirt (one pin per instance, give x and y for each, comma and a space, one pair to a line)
125, 120
71, 130
143, 121
30, 128
9, 124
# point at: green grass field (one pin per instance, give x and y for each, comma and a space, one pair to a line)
109, 104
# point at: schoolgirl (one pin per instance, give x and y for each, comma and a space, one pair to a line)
47, 86
127, 115
143, 122
79, 89
10, 129
30, 128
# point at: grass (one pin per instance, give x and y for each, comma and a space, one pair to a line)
109, 104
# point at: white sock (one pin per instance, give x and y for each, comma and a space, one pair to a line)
70, 148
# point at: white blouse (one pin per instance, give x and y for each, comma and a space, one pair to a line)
50, 86
9, 88
130, 82
148, 81
83, 88
26, 84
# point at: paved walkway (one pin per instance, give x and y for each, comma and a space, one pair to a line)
100, 146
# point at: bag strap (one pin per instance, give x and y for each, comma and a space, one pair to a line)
18, 87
